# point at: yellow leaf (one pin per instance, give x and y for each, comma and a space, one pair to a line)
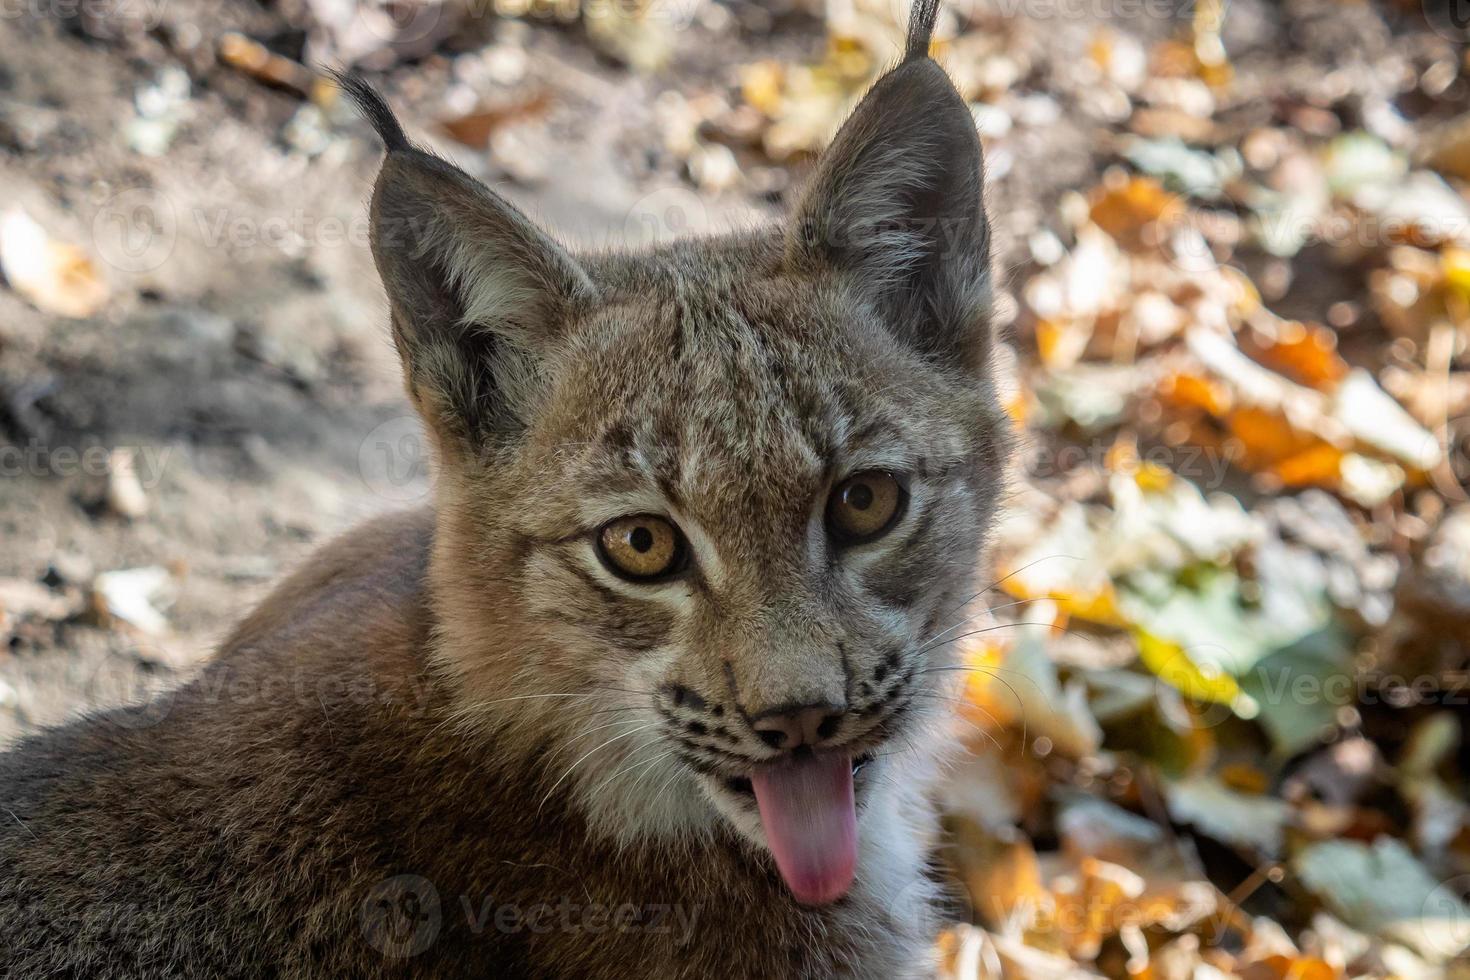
1455, 263
1171, 664
1097, 606
761, 85
986, 704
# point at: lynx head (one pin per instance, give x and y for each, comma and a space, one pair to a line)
706, 512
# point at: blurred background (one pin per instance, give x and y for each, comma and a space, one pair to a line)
1215, 722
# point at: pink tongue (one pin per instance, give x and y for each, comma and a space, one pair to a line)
807, 811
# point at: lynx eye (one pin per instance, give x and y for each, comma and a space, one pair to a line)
641, 547
865, 506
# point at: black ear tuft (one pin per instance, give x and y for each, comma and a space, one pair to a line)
921, 28
896, 207
373, 108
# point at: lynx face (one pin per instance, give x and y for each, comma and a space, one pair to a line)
707, 514
758, 523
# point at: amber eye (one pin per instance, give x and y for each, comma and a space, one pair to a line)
641, 547
864, 506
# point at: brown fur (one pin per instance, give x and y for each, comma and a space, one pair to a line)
458, 712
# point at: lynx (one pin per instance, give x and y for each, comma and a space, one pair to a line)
656, 685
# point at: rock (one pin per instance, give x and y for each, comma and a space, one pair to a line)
68, 568
55, 276
130, 594
22, 600
1448, 148
1447, 562
713, 167
125, 496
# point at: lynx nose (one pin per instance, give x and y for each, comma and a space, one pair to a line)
794, 727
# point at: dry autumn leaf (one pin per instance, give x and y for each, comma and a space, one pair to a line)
56, 276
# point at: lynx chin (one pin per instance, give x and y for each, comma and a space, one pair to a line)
672, 635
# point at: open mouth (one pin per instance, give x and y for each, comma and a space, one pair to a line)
808, 812
741, 785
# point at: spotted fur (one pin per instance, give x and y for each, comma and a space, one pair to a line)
463, 710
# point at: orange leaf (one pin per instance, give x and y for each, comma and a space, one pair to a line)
1267, 438
1319, 465
1305, 353
1124, 206
1281, 967
1003, 877
1185, 390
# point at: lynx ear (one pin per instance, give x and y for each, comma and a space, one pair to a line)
475, 288
896, 206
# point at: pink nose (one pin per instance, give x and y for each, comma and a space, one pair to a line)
810, 725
